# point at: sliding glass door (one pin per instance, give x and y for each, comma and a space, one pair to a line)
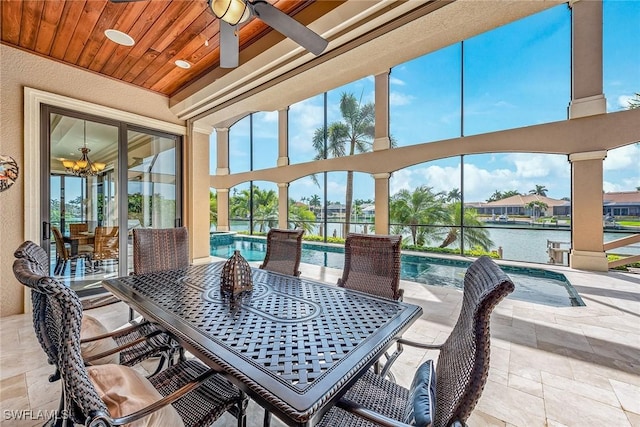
153, 160
101, 179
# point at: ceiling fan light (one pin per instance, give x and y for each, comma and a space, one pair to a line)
231, 11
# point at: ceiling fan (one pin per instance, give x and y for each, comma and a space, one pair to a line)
234, 12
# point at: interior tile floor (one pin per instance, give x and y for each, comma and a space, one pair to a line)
550, 366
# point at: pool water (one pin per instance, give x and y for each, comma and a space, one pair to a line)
532, 284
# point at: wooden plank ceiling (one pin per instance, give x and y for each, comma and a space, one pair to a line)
72, 32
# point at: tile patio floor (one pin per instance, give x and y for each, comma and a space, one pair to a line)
550, 366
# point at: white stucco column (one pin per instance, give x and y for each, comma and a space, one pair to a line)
587, 235
587, 97
223, 209
283, 137
222, 163
382, 141
197, 193
382, 202
283, 205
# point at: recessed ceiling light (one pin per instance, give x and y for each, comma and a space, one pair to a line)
119, 37
183, 64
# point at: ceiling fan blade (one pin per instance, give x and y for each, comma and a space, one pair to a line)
289, 27
229, 45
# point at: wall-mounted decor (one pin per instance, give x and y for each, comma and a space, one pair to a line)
8, 172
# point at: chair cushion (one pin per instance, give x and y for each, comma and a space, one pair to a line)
125, 391
421, 403
91, 327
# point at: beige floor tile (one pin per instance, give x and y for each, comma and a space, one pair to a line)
572, 409
604, 395
628, 395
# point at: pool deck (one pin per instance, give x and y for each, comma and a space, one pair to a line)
550, 366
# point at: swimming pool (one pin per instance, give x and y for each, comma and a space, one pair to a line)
532, 284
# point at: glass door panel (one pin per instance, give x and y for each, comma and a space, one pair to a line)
153, 182
81, 196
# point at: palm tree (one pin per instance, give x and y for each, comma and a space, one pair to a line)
354, 134
265, 208
420, 207
213, 208
454, 195
474, 234
536, 205
301, 217
540, 190
315, 203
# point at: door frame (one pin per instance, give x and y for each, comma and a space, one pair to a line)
33, 99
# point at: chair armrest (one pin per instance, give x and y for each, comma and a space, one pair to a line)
419, 344
167, 400
124, 347
368, 414
117, 332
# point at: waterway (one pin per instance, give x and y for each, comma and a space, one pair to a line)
518, 244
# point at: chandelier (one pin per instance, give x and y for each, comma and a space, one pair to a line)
83, 167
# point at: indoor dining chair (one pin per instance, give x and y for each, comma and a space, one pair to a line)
185, 394
440, 396
127, 346
284, 249
64, 256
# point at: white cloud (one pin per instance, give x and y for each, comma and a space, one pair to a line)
396, 81
530, 165
400, 180
623, 101
397, 98
627, 157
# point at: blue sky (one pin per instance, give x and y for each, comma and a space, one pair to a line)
516, 75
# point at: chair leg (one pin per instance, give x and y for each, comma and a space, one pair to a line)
267, 419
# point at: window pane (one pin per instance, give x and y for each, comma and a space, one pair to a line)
265, 206
240, 146
265, 140
621, 53
306, 204
239, 208
522, 200
306, 119
519, 74
424, 99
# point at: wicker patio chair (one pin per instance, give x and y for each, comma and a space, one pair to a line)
444, 397
131, 345
284, 249
157, 249
372, 265
63, 254
190, 390
76, 228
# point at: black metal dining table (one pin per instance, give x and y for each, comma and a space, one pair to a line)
294, 345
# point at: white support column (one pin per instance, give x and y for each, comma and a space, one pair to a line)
587, 97
223, 209
382, 202
283, 205
587, 236
382, 140
197, 193
222, 151
283, 137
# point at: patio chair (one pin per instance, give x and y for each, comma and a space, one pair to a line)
63, 253
447, 395
76, 228
157, 249
126, 346
188, 393
372, 265
284, 249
